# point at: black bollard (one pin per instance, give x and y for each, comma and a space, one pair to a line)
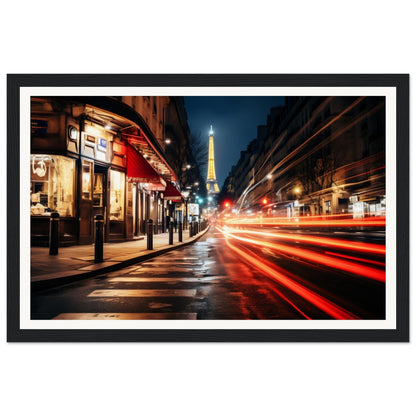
150, 234
99, 238
54, 234
171, 233
191, 229
180, 232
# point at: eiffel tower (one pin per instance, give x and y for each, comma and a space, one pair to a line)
212, 185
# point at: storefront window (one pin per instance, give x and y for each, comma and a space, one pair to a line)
52, 185
116, 195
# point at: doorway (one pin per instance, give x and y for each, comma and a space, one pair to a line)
100, 194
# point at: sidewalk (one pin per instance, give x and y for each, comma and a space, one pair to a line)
77, 262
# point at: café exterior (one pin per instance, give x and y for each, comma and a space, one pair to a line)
90, 156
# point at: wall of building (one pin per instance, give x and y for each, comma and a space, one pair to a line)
323, 153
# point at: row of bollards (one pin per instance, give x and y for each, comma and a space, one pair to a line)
194, 228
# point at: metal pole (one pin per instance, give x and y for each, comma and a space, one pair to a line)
54, 233
150, 234
99, 238
180, 231
171, 233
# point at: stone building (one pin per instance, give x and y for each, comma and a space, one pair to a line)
102, 155
318, 156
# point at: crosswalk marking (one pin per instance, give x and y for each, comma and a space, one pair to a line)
168, 269
156, 279
141, 293
125, 316
176, 263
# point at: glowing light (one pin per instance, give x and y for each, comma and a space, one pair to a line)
378, 249
313, 221
317, 258
272, 272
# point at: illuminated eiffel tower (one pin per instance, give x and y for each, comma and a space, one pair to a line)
212, 185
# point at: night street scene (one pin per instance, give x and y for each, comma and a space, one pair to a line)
208, 208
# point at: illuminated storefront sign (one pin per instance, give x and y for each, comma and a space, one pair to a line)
102, 145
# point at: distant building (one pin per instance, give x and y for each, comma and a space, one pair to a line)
316, 156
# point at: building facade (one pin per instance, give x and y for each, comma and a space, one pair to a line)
99, 155
316, 156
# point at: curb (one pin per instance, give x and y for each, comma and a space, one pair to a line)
64, 280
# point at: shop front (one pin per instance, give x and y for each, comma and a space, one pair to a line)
83, 165
175, 206
147, 188
78, 170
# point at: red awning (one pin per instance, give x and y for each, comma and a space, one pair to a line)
172, 193
140, 171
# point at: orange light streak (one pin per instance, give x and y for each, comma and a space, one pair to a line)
317, 300
315, 257
377, 263
333, 242
310, 222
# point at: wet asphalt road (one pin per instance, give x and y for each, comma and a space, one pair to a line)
205, 280
200, 281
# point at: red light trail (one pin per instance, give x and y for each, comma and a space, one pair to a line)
322, 241
312, 221
272, 271
314, 257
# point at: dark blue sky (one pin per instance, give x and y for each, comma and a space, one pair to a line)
234, 121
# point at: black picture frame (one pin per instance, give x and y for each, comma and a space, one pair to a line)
398, 81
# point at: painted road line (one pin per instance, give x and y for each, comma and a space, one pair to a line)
156, 279
144, 293
169, 269
125, 316
176, 263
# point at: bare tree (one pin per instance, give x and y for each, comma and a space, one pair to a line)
316, 172
199, 150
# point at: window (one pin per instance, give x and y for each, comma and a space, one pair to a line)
52, 185
116, 195
86, 180
98, 190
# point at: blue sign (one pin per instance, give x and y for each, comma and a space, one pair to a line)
102, 144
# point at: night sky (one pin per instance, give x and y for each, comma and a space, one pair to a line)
234, 121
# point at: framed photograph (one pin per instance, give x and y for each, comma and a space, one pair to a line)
208, 207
